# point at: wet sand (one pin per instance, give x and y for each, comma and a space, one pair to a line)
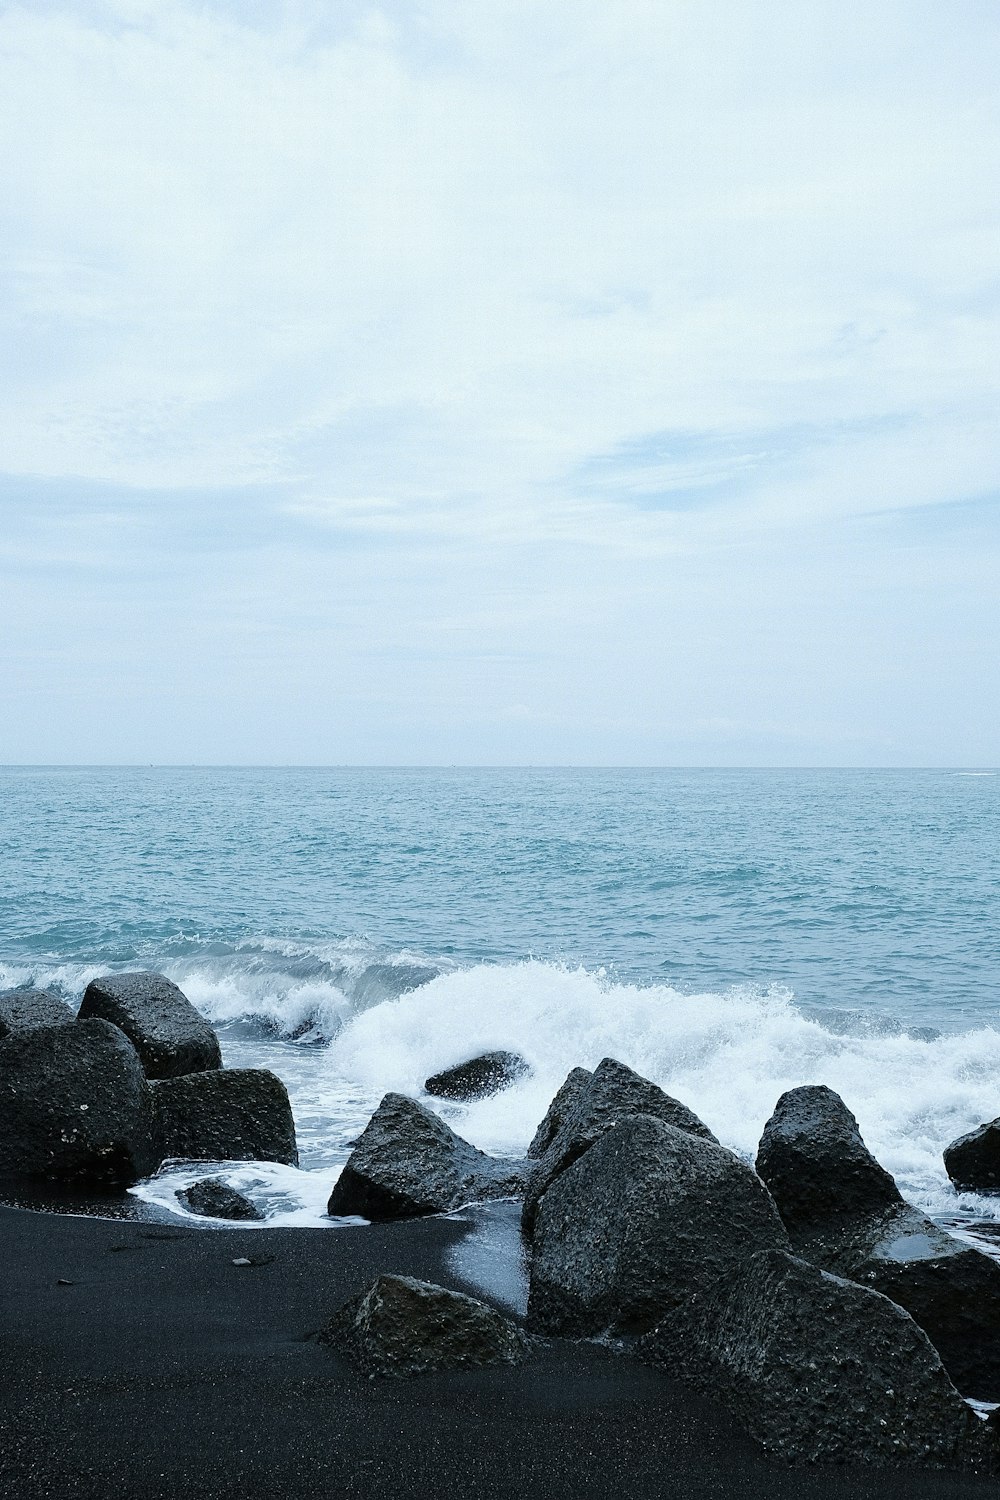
164, 1370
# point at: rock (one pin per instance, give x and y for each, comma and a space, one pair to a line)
217, 1200
407, 1161
479, 1077
817, 1369
613, 1093
75, 1106
649, 1215
170, 1036
237, 1114
565, 1100
973, 1161
26, 1010
844, 1212
400, 1326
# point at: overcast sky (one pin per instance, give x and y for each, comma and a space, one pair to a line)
500, 382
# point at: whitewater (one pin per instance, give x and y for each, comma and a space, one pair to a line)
728, 935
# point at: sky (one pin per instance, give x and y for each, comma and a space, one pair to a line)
500, 383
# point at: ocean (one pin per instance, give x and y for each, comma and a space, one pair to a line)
727, 933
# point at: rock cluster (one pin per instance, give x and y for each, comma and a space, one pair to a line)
836, 1321
100, 1100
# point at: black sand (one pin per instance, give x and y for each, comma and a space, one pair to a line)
165, 1370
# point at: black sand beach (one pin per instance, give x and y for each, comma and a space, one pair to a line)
163, 1369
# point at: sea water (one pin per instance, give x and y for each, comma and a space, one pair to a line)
730, 934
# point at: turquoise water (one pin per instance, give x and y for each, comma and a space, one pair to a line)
728, 932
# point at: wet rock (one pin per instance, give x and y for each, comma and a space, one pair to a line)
613, 1093
400, 1326
817, 1369
564, 1101
844, 1212
236, 1114
217, 1200
75, 1106
649, 1215
26, 1010
973, 1161
170, 1036
407, 1162
479, 1077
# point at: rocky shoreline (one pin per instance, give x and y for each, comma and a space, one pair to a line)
800, 1311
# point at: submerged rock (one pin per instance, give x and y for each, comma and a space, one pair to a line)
217, 1200
593, 1106
237, 1114
170, 1036
479, 1077
817, 1369
973, 1161
27, 1010
564, 1101
75, 1106
400, 1326
407, 1162
844, 1212
649, 1215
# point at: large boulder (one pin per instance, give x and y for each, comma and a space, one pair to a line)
238, 1114
27, 1010
75, 1106
844, 1212
215, 1199
400, 1326
407, 1162
479, 1077
973, 1161
613, 1093
649, 1215
817, 1369
566, 1097
170, 1036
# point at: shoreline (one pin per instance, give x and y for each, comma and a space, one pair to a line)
162, 1369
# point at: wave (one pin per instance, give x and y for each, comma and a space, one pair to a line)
387, 1021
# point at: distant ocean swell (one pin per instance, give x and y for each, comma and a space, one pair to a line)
341, 1024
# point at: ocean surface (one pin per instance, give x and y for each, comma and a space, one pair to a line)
730, 934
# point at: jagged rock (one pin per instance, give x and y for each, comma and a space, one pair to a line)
217, 1200
26, 1010
973, 1161
400, 1326
844, 1212
237, 1114
75, 1106
817, 1369
564, 1101
407, 1161
479, 1077
649, 1215
613, 1093
170, 1036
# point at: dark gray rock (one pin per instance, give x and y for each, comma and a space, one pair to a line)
817, 1369
237, 1114
564, 1101
26, 1010
407, 1161
400, 1326
973, 1161
217, 1200
170, 1036
75, 1106
613, 1093
844, 1212
649, 1215
479, 1077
